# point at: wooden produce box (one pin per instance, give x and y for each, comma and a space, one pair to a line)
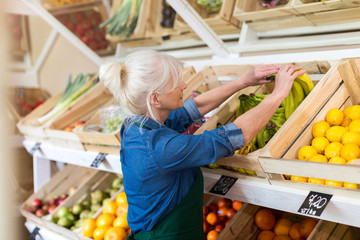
243, 227
71, 176
280, 157
99, 180
221, 22
56, 5
29, 127
295, 13
82, 110
226, 113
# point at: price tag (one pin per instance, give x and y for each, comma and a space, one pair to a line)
315, 203
98, 160
223, 185
34, 148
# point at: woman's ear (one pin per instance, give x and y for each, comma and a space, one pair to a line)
154, 99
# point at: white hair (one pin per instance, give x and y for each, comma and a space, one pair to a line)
142, 73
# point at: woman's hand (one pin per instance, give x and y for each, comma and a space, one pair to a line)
258, 74
285, 78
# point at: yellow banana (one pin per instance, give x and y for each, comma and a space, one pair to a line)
298, 93
289, 105
305, 78
304, 86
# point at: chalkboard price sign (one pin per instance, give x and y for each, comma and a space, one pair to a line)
98, 160
223, 185
34, 148
315, 203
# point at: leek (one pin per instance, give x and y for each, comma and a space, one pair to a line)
73, 90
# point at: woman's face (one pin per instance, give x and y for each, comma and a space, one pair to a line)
172, 100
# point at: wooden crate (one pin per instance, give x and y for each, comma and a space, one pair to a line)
226, 113
296, 13
99, 180
82, 110
51, 6
60, 183
279, 157
34, 132
222, 22
242, 226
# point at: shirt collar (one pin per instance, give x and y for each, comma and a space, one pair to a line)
148, 122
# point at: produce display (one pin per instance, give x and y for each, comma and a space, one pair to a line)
60, 3
24, 105
123, 22
85, 25
76, 125
272, 3
111, 223
336, 139
276, 225
42, 207
217, 216
74, 89
74, 216
167, 15
211, 6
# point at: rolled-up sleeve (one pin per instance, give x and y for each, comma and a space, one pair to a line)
235, 135
192, 109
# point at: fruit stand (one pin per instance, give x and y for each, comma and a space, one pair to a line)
267, 177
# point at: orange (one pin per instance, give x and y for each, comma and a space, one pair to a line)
351, 137
212, 235
316, 180
354, 112
294, 232
123, 207
222, 211
282, 226
333, 150
121, 221
334, 117
115, 233
318, 158
351, 185
307, 225
298, 178
319, 129
320, 143
224, 202
333, 183
237, 205
306, 152
346, 122
354, 126
88, 227
99, 233
282, 237
110, 207
337, 160
105, 219
121, 198
350, 151
334, 133
265, 219
212, 218
265, 235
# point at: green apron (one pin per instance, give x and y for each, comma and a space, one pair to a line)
184, 222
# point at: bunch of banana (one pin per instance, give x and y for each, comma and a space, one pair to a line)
302, 86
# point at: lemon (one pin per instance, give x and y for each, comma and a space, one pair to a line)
298, 178
337, 160
319, 129
333, 183
351, 160
334, 134
318, 158
350, 185
354, 126
350, 151
347, 111
354, 112
306, 152
346, 122
320, 143
333, 150
334, 117
351, 137
316, 180
99, 233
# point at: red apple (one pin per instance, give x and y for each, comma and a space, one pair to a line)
40, 213
36, 203
51, 208
29, 209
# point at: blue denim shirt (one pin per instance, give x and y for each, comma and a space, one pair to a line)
159, 164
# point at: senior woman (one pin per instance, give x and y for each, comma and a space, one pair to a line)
162, 178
